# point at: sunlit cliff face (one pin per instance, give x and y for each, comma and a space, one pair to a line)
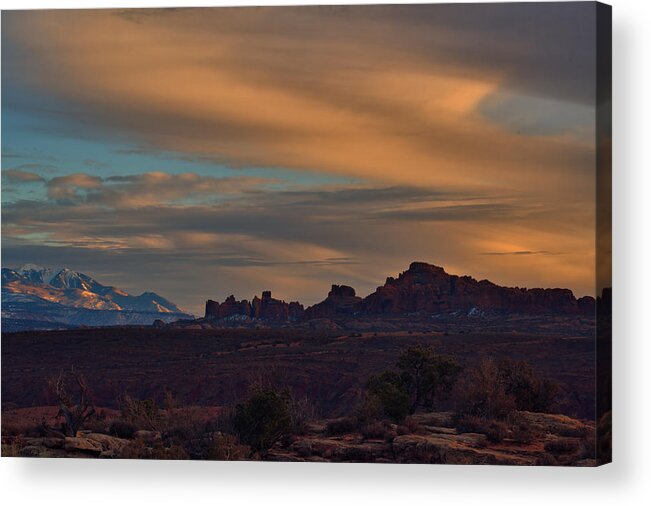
203, 152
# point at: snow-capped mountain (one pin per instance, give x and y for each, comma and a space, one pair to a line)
69, 298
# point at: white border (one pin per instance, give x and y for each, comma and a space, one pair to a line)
627, 481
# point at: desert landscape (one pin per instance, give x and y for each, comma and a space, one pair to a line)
365, 233
497, 385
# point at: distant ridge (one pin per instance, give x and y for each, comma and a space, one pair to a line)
35, 297
422, 290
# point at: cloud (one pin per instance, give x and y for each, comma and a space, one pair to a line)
467, 131
69, 187
298, 242
149, 188
21, 176
501, 253
384, 94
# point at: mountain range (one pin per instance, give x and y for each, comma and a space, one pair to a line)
35, 297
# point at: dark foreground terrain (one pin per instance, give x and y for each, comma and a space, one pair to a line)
208, 372
424, 438
216, 367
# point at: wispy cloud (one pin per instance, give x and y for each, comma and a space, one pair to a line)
150, 188
21, 176
465, 128
517, 253
377, 94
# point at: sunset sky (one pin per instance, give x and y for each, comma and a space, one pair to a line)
203, 152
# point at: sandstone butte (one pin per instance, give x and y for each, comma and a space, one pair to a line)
421, 290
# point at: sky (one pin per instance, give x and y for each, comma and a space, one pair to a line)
200, 153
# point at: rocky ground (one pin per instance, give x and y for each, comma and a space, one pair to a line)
429, 438
552, 440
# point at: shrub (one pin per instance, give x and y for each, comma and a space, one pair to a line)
369, 410
121, 428
135, 449
187, 423
143, 413
523, 434
301, 413
226, 447
481, 393
409, 426
73, 400
496, 431
530, 392
471, 423
426, 375
340, 426
11, 448
546, 459
375, 430
494, 390
390, 393
263, 418
96, 423
39, 430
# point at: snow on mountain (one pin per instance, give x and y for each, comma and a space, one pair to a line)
36, 273
41, 294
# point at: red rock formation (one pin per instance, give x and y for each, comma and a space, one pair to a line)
269, 308
428, 289
423, 289
296, 311
231, 307
265, 308
341, 301
212, 309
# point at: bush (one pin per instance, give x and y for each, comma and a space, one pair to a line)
481, 393
39, 430
121, 428
530, 392
546, 459
391, 395
73, 400
370, 410
471, 423
492, 391
96, 424
11, 448
301, 413
340, 426
264, 418
523, 434
135, 449
375, 430
426, 376
142, 413
226, 447
496, 431
409, 426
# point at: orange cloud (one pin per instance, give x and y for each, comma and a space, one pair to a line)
370, 97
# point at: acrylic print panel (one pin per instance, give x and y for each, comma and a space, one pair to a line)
342, 234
